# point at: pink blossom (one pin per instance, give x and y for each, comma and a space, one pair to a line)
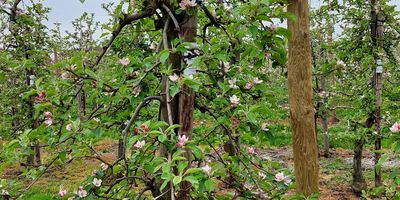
273, 27
41, 97
137, 131
280, 176
248, 86
62, 192
182, 139
234, 101
49, 118
124, 61
104, 166
139, 144
395, 128
94, 173
184, 4
267, 55
145, 128
207, 169
81, 192
251, 150
322, 94
235, 122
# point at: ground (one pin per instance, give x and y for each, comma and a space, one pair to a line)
335, 172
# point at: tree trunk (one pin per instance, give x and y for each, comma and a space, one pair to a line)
324, 118
377, 41
359, 183
300, 100
186, 101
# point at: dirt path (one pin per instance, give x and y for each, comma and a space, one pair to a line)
335, 172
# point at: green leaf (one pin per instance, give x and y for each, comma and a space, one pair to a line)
209, 185
62, 155
193, 180
164, 54
177, 180
174, 89
174, 126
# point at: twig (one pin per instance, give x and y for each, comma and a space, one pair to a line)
121, 25
141, 193
135, 114
162, 194
177, 28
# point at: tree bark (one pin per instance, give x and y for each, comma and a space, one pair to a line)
186, 101
359, 183
324, 118
300, 99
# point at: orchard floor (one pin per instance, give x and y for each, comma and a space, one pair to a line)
335, 172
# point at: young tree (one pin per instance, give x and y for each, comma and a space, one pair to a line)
301, 100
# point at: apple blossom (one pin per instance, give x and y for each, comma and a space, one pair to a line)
248, 86
139, 144
97, 182
232, 83
206, 169
65, 76
267, 55
124, 61
104, 166
341, 63
182, 139
41, 97
227, 66
395, 128
136, 91
280, 176
81, 192
184, 4
262, 175
264, 127
251, 150
62, 192
145, 127
94, 173
234, 101
273, 27
137, 131
174, 78
69, 127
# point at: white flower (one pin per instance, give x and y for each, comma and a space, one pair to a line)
65, 76
124, 61
262, 175
251, 150
264, 127
96, 120
104, 166
234, 101
97, 182
136, 91
207, 169
257, 81
48, 121
69, 127
341, 63
227, 66
81, 192
73, 67
280, 176
139, 144
174, 78
4, 192
232, 83
71, 198
287, 180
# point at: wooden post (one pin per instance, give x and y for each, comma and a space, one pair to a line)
301, 99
